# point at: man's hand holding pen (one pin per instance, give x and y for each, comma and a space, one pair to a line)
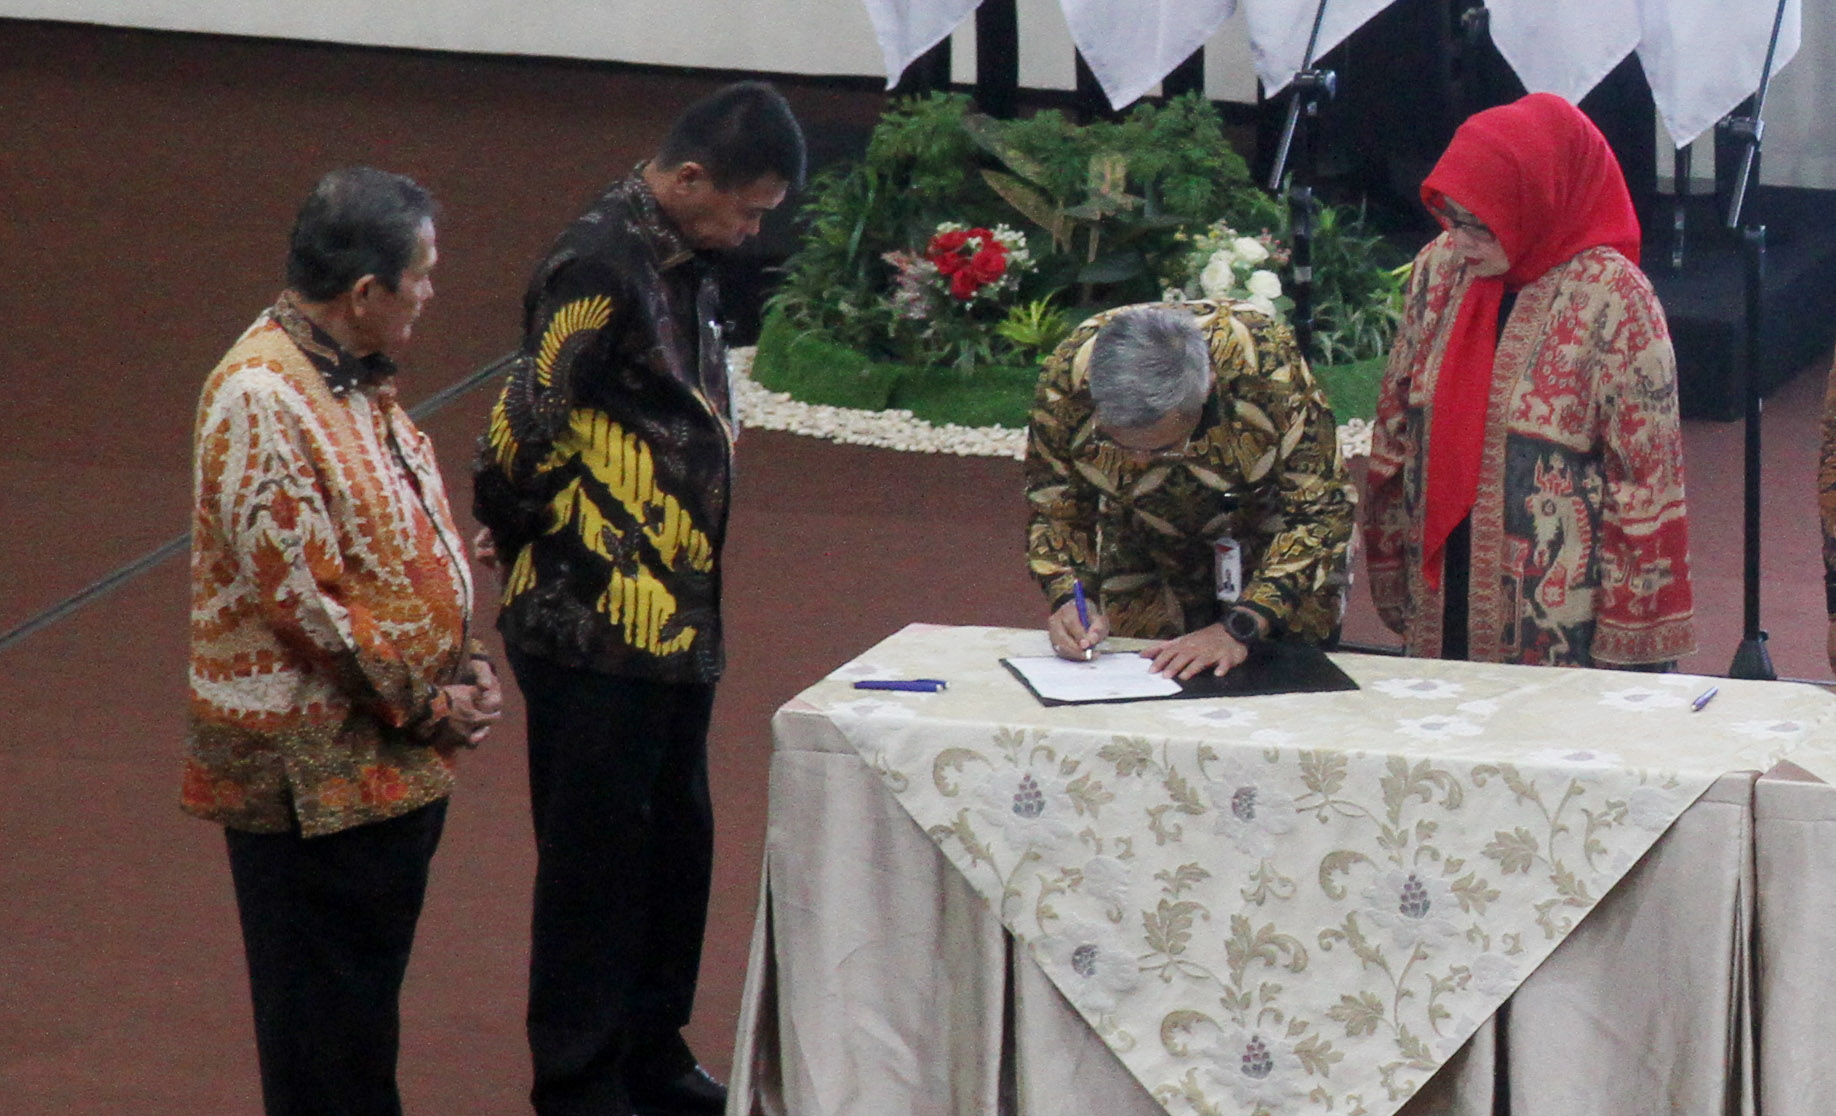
1073, 638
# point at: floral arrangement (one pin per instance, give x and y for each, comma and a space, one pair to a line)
937, 271
948, 300
967, 265
1224, 264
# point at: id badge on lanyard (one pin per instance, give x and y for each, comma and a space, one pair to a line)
1227, 565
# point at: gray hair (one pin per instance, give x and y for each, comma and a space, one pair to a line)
1146, 363
358, 221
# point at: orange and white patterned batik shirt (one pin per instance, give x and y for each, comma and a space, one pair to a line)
330, 593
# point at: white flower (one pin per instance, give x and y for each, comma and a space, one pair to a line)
1109, 881
1206, 714
1641, 699
1218, 280
1652, 808
1260, 1068
1262, 306
1494, 975
1250, 250
1264, 284
1437, 727
1011, 239
1413, 907
1425, 688
1092, 964
1355, 438
1573, 757
1251, 811
1029, 804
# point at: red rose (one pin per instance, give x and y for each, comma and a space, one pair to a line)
989, 264
946, 242
949, 263
963, 286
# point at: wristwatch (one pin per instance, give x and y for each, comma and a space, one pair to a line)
1242, 625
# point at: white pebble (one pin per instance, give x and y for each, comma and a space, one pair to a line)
898, 429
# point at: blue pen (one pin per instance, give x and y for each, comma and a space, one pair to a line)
909, 685
1083, 609
1703, 699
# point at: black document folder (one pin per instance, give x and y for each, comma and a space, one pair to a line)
1273, 667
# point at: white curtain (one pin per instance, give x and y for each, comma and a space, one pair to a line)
908, 28
1131, 46
1279, 30
1703, 57
1564, 46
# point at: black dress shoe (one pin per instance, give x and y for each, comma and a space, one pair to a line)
694, 1093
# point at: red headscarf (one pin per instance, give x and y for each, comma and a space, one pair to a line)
1542, 178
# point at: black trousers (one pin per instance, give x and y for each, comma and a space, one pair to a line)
327, 923
618, 782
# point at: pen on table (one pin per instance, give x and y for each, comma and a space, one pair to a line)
910, 685
1083, 612
1703, 698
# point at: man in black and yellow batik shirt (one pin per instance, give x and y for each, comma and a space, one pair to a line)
603, 485
1182, 468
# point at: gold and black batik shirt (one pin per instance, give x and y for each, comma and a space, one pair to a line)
1262, 468
604, 476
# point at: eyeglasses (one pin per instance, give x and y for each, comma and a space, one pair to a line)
1455, 223
1175, 450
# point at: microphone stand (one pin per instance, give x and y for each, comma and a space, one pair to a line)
1310, 87
1679, 209
1751, 659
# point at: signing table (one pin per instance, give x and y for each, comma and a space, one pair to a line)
1305, 903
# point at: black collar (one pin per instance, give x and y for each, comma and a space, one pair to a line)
341, 370
660, 233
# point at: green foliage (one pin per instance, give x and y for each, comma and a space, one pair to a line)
1352, 388
1113, 196
1357, 289
1105, 208
1034, 328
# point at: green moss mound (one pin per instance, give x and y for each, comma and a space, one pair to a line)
812, 368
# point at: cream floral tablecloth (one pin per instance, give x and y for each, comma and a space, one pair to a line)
1300, 903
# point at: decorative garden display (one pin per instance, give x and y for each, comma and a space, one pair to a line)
935, 272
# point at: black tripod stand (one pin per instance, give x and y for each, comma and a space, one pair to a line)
1310, 87
1751, 659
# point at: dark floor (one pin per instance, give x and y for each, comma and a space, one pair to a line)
152, 179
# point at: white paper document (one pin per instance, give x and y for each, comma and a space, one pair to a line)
1104, 678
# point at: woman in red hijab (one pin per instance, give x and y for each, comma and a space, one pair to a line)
1526, 476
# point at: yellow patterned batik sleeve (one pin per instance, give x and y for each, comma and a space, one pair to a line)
583, 315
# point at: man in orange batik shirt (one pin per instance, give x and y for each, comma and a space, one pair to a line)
333, 673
